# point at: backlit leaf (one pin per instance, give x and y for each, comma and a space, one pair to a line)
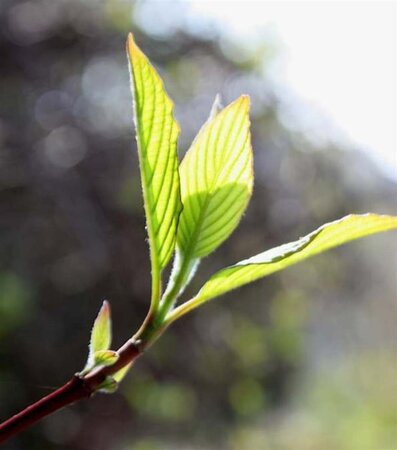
324, 238
157, 133
101, 334
119, 375
216, 180
109, 386
105, 357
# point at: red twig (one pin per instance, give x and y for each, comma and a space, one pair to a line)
76, 389
72, 391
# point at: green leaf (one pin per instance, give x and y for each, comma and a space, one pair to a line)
324, 238
101, 334
119, 375
216, 180
157, 134
109, 386
105, 357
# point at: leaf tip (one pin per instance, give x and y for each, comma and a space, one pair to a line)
245, 100
132, 49
218, 99
130, 39
242, 103
105, 309
101, 331
217, 106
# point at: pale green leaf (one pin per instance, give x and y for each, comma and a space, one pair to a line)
120, 374
105, 357
109, 386
157, 133
216, 180
324, 238
101, 334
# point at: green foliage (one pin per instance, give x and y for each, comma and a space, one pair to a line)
119, 375
216, 179
105, 357
157, 133
99, 353
101, 334
109, 386
101, 338
192, 209
324, 238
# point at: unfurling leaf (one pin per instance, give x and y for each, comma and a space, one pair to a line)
157, 133
105, 357
324, 238
101, 334
216, 180
119, 375
109, 386
101, 337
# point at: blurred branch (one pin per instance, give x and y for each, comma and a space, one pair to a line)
76, 389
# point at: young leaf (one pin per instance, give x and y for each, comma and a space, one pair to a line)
216, 180
105, 357
101, 334
157, 133
324, 238
109, 386
119, 375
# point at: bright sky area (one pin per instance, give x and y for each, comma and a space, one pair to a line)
337, 57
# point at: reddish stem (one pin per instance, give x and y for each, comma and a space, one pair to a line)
76, 389
72, 391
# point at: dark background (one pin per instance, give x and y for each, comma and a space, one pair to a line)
305, 359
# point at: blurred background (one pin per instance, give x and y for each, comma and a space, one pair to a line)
305, 359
